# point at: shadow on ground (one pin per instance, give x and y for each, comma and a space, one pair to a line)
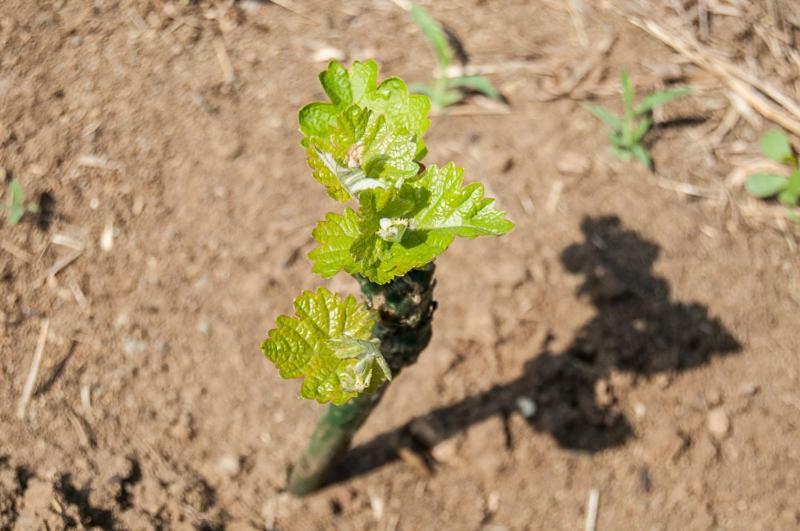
637, 328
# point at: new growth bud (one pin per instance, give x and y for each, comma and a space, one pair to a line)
392, 230
356, 377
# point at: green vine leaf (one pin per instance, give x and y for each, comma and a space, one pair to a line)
335, 234
329, 344
399, 229
457, 210
361, 151
368, 135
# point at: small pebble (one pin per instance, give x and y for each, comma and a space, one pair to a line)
713, 397
718, 422
446, 452
748, 389
526, 406
133, 346
493, 502
327, 53
662, 381
639, 409
377, 505
138, 205
107, 237
572, 163
228, 465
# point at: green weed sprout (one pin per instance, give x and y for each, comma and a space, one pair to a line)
366, 145
628, 131
775, 145
446, 90
15, 206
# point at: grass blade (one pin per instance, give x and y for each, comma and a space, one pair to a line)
627, 92
16, 202
435, 34
641, 129
421, 88
641, 154
476, 83
609, 118
657, 99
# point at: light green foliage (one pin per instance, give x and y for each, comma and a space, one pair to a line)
367, 133
15, 206
775, 145
627, 132
446, 90
328, 343
366, 144
432, 210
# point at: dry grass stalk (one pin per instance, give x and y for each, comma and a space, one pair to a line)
30, 382
760, 95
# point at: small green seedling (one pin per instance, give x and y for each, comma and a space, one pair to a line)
775, 145
366, 146
446, 90
628, 131
15, 206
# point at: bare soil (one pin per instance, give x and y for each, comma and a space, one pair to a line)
627, 337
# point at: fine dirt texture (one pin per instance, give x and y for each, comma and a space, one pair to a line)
635, 335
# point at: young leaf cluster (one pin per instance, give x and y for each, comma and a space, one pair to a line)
365, 145
627, 132
15, 206
775, 145
446, 90
404, 219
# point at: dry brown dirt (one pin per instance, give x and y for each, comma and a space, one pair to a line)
654, 331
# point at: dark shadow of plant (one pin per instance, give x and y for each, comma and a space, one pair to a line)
637, 328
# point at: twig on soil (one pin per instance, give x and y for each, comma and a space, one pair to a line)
82, 429
61, 263
580, 71
86, 399
402, 4
715, 137
532, 65
30, 382
526, 203
721, 9
138, 21
289, 6
68, 241
15, 251
591, 509
577, 11
555, 196
466, 111
685, 188
99, 162
763, 97
228, 74
80, 298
